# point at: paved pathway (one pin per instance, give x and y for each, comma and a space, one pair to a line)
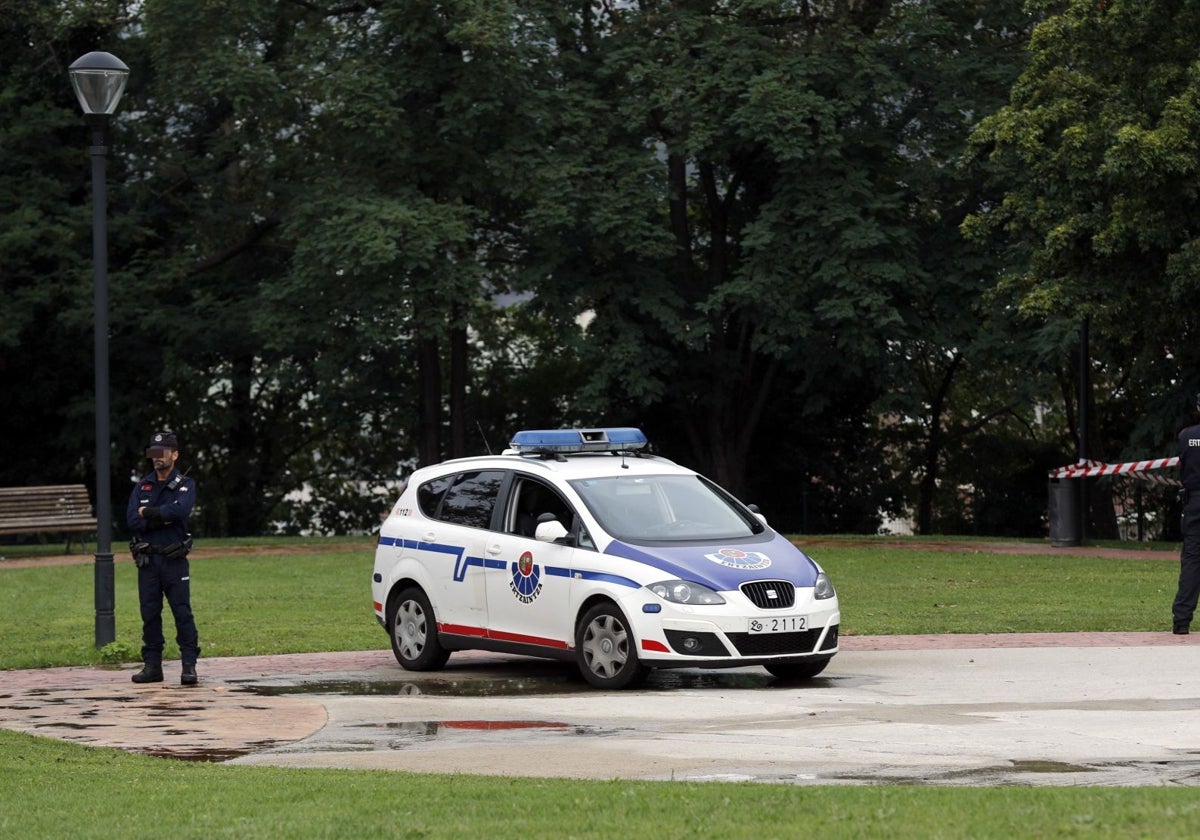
358, 709
1038, 708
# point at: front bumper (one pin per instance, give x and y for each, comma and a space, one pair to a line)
724, 641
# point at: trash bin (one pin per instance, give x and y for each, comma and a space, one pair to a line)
1064, 512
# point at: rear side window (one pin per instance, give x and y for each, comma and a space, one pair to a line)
471, 498
429, 495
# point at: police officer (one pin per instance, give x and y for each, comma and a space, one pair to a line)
158, 512
1189, 557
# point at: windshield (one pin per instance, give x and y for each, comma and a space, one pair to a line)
665, 508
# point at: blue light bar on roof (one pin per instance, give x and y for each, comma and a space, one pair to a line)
579, 440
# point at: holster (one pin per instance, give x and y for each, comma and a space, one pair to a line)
175, 551
141, 551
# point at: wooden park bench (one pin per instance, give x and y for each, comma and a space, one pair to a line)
55, 509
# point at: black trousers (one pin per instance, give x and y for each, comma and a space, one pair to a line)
1184, 606
171, 579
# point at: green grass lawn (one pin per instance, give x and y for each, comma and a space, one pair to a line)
316, 596
63, 790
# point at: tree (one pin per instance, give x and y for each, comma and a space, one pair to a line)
735, 212
954, 366
1099, 145
46, 334
338, 230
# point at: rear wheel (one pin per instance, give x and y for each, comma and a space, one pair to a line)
605, 649
414, 633
796, 671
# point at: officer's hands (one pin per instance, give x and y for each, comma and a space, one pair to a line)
151, 513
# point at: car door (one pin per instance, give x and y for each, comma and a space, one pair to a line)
452, 544
529, 581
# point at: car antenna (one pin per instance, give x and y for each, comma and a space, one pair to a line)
479, 426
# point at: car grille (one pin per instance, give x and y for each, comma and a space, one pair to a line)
770, 594
773, 644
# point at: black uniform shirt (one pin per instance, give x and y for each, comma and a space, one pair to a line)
1189, 458
173, 498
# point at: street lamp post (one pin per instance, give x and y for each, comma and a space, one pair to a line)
99, 80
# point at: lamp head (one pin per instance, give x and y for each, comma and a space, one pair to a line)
99, 80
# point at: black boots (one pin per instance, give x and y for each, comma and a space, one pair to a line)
148, 674
1180, 630
153, 674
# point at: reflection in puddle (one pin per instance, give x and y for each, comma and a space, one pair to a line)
441, 686
403, 733
399, 735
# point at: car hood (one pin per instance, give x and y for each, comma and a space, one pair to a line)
725, 566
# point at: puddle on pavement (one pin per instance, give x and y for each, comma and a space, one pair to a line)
501, 686
215, 756
1015, 773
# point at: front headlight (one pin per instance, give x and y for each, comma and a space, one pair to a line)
684, 592
823, 589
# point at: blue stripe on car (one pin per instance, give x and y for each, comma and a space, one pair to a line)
461, 563
691, 562
686, 563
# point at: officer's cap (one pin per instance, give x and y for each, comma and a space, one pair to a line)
164, 440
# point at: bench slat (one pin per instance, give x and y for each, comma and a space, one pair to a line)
58, 508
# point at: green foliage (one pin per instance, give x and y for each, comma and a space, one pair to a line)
770, 224
116, 653
1097, 151
45, 240
351, 237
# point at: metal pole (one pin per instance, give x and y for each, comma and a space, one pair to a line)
106, 630
1084, 390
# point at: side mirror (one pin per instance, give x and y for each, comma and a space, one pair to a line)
551, 531
754, 509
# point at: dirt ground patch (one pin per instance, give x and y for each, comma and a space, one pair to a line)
121, 554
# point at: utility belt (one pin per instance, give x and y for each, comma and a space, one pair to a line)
142, 551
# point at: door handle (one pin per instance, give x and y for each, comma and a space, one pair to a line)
494, 549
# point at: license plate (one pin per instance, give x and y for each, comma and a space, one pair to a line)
779, 624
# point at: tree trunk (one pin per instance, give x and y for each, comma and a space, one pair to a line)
458, 390
243, 515
429, 375
935, 442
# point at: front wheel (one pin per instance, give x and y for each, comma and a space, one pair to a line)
605, 649
796, 671
414, 633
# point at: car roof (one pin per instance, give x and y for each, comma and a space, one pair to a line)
568, 454
564, 466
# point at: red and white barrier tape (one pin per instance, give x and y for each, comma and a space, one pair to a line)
1134, 469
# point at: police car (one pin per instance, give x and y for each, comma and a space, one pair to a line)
580, 545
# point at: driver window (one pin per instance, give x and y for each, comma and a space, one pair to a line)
529, 501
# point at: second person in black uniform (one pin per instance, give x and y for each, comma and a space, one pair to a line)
1184, 606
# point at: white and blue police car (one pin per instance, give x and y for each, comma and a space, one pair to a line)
578, 544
